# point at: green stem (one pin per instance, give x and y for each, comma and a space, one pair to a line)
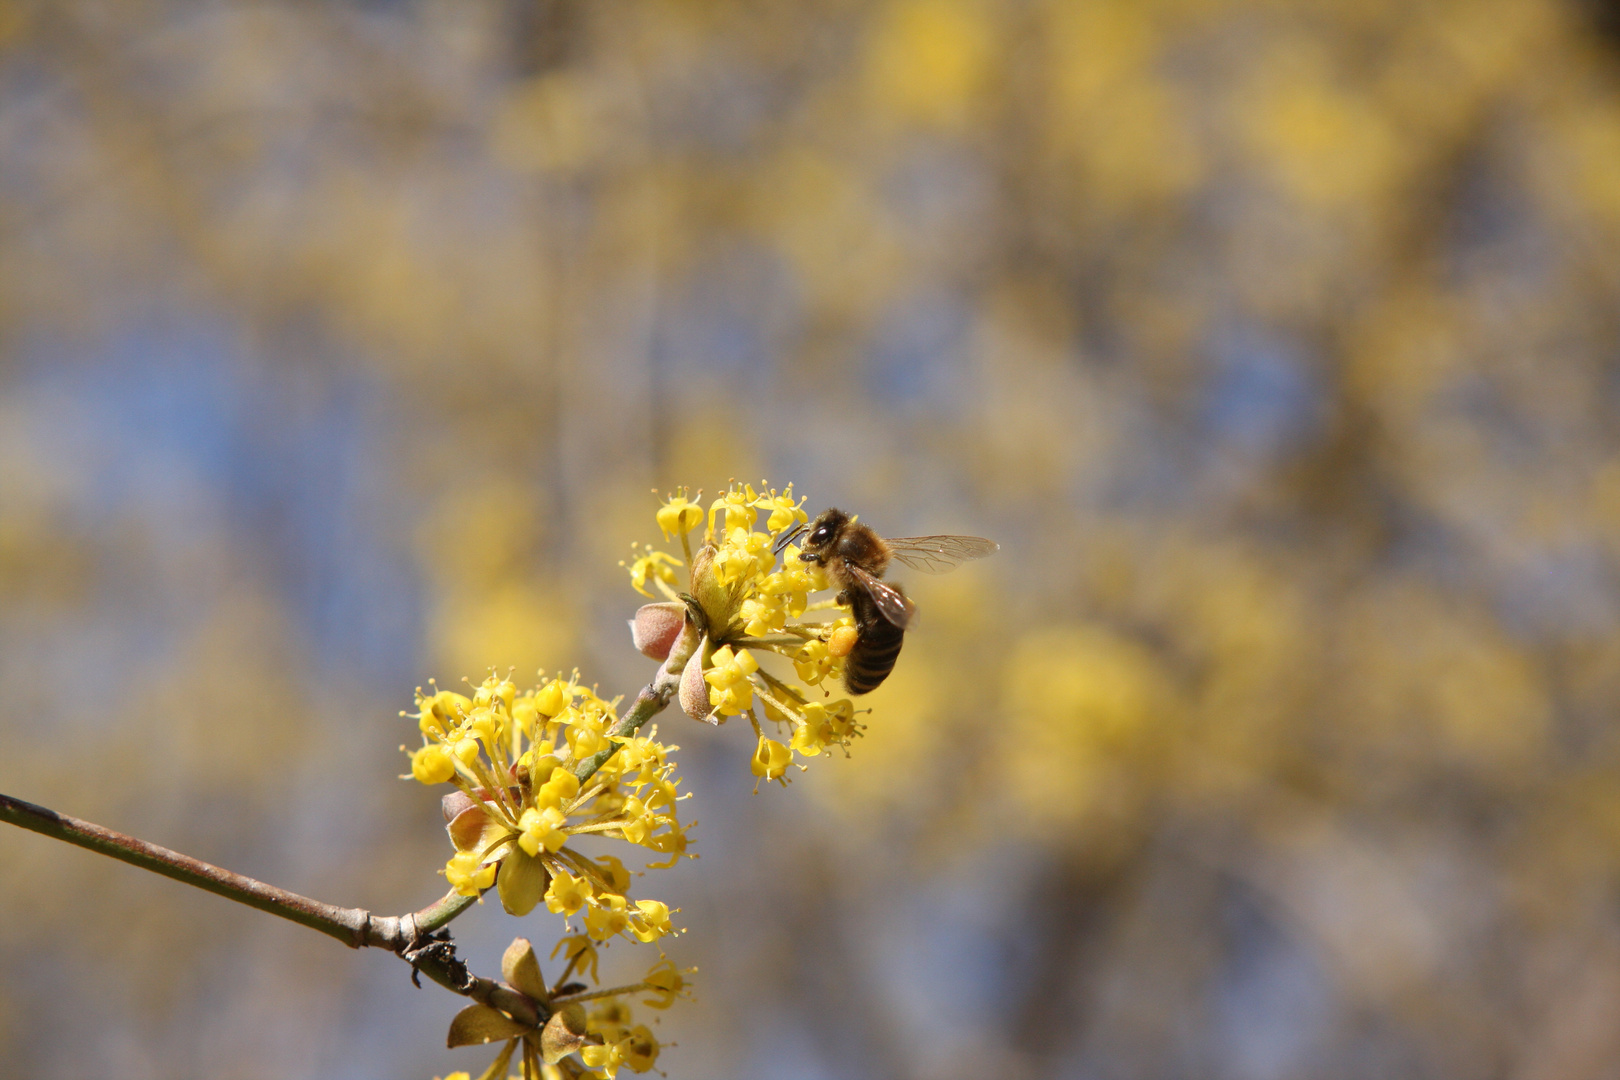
441, 911
634, 988
652, 700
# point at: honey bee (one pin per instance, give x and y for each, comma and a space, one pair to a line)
855, 558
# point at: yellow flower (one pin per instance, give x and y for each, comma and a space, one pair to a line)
639, 1049
813, 663
540, 830
644, 756
763, 614
581, 955
738, 509
611, 1020
607, 917
652, 566
679, 515
824, 725
466, 873
785, 513
651, 920
586, 735
526, 715
493, 690
730, 692
673, 843
606, 1058
814, 735
661, 793
638, 822
618, 878
743, 555
440, 711
559, 790
771, 759
486, 724
567, 893
841, 715
664, 980
793, 583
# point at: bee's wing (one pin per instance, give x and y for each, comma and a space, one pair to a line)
937, 554
891, 602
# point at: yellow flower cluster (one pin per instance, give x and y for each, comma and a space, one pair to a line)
568, 1042
618, 1042
760, 655
515, 760
623, 1045
534, 769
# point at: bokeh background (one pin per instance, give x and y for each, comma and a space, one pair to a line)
342, 345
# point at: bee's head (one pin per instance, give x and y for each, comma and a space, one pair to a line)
821, 533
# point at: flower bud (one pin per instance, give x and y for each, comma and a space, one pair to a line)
695, 690
432, 764
563, 1034
553, 698
521, 882
718, 603
656, 628
521, 970
454, 803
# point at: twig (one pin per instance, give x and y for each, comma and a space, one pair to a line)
420, 938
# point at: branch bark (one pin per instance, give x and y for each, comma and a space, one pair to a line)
420, 937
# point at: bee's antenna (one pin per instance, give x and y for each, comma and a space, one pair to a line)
787, 538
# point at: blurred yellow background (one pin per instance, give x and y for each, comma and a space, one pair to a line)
341, 346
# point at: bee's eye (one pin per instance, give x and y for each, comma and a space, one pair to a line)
820, 535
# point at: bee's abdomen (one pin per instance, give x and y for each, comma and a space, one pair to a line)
877, 646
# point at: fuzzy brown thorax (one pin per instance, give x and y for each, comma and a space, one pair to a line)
835, 539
